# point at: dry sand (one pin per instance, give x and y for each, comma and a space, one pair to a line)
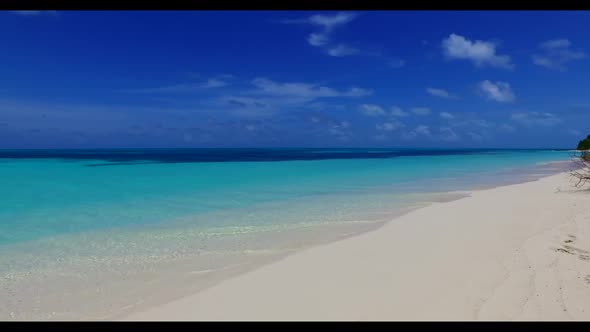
518, 252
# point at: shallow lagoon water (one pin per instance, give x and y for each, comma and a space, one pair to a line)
94, 234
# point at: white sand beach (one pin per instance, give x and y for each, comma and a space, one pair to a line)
518, 252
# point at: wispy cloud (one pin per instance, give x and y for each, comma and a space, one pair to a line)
446, 115
498, 91
246, 102
317, 39
331, 21
389, 126
337, 128
556, 54
440, 93
185, 87
250, 127
448, 134
507, 128
423, 130
535, 118
323, 38
251, 107
340, 129
342, 50
92, 120
266, 97
480, 53
421, 111
34, 12
420, 130
214, 83
304, 90
481, 123
396, 111
372, 110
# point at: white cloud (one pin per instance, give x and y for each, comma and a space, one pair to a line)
535, 118
263, 97
499, 91
27, 12
358, 92
372, 110
390, 126
448, 134
421, 130
439, 93
396, 111
317, 39
340, 129
331, 21
266, 97
555, 44
250, 107
422, 111
342, 50
446, 115
557, 54
214, 83
185, 88
481, 53
322, 39
34, 12
304, 90
245, 102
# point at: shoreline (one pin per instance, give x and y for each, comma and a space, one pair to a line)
173, 279
361, 286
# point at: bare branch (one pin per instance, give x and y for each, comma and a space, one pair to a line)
580, 169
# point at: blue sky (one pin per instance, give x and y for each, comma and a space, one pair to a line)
74, 79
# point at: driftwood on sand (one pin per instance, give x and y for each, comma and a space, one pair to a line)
580, 170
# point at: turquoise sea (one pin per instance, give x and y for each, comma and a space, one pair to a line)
90, 234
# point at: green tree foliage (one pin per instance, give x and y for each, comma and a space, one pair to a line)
584, 144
